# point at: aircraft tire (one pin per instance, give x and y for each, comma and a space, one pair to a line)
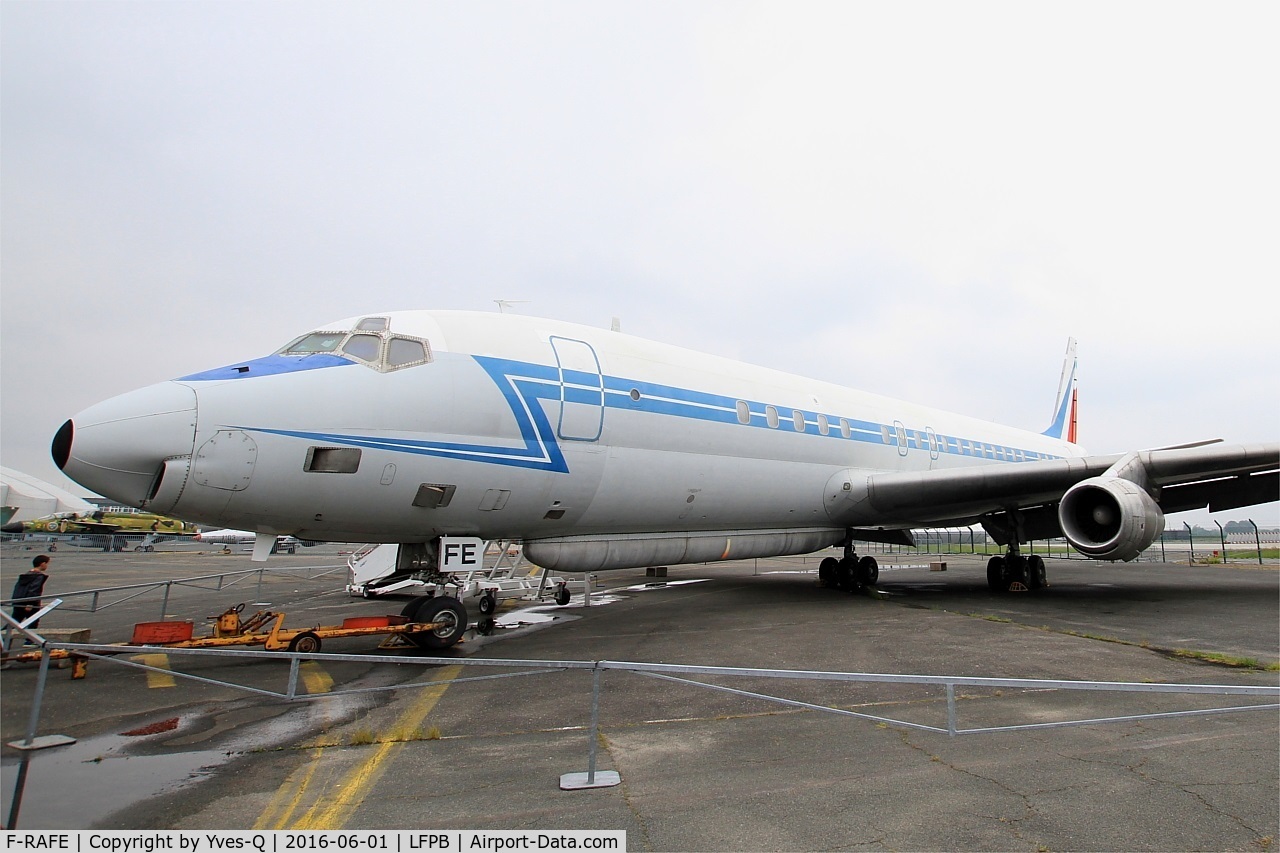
867, 572
411, 609
1015, 575
562, 595
306, 642
451, 623
827, 572
995, 574
487, 604
1036, 578
844, 574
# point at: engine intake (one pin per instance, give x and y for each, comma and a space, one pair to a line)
1110, 518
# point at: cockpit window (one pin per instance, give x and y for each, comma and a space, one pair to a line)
363, 347
315, 342
402, 352
369, 343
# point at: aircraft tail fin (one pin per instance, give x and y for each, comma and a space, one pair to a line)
1065, 407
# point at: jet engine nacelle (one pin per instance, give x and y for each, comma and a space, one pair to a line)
1110, 518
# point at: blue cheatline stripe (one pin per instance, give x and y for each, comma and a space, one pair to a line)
525, 384
271, 365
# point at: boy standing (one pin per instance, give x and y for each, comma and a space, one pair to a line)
30, 586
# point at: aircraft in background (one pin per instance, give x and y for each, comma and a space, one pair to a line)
288, 544
112, 531
600, 450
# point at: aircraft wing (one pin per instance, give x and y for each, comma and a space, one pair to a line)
82, 526
1217, 476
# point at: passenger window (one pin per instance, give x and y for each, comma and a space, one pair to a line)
844, 428
824, 426
744, 413
797, 418
403, 352
771, 417
363, 347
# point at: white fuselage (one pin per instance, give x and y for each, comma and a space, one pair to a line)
519, 428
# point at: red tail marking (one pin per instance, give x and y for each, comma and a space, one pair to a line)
1071, 428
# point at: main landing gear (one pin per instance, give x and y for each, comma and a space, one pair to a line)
850, 573
1016, 573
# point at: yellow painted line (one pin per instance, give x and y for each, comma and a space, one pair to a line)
360, 781
156, 679
331, 806
314, 678
277, 813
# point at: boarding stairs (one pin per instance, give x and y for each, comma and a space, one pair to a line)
504, 575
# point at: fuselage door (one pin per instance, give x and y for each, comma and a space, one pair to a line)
581, 390
901, 432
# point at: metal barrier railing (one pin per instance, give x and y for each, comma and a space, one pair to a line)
206, 582
669, 672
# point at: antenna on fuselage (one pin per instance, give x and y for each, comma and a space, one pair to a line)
504, 304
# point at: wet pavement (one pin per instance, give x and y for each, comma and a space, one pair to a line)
700, 769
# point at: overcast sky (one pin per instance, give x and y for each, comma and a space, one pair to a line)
921, 200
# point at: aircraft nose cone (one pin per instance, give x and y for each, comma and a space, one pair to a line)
118, 447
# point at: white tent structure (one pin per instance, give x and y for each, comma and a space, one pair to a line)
32, 498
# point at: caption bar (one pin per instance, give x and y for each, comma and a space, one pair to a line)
283, 841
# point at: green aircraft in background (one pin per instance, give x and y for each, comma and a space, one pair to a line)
110, 530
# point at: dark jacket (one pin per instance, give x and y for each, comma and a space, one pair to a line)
29, 585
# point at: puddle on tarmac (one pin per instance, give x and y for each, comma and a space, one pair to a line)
645, 587
515, 623
71, 787
75, 786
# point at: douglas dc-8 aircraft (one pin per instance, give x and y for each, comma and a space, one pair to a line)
600, 450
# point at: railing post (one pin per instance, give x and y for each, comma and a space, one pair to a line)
1257, 540
1191, 545
595, 725
951, 709
41, 677
1222, 538
292, 690
31, 741
164, 605
592, 779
